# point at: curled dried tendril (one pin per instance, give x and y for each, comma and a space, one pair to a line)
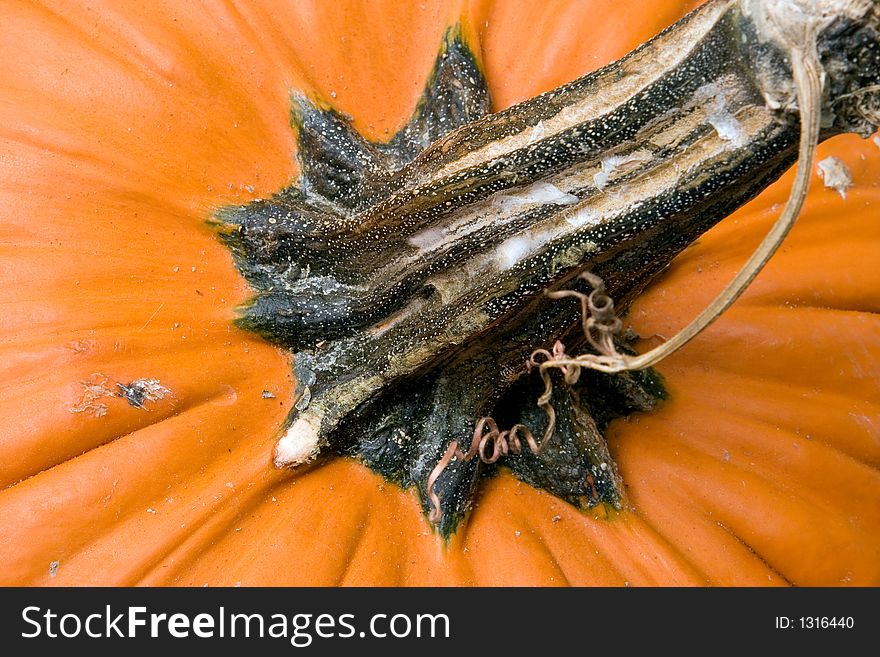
488, 437
599, 320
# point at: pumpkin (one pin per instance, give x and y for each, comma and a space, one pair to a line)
139, 420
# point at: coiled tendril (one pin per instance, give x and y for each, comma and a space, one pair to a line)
489, 444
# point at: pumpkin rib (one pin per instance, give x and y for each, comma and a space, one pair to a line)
715, 553
62, 491
679, 484
280, 535
615, 551
530, 540
514, 79
78, 345
134, 102
846, 311
785, 482
630, 551
356, 546
591, 555
84, 431
175, 562
85, 350
844, 438
725, 557
825, 219
203, 533
384, 96
782, 580
811, 568
817, 368
77, 450
501, 561
763, 299
210, 521
552, 571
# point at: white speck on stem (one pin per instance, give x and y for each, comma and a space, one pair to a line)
537, 133
427, 238
538, 194
619, 164
720, 117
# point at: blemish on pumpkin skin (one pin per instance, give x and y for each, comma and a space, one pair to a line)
97, 387
53, 568
835, 174
141, 391
80, 347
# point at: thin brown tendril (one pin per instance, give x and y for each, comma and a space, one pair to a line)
489, 444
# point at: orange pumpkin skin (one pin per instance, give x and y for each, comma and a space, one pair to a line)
126, 127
